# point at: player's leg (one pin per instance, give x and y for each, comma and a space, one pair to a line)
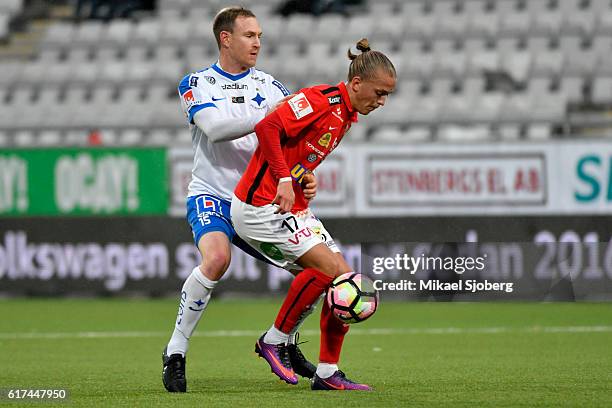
209, 220
306, 288
328, 375
299, 362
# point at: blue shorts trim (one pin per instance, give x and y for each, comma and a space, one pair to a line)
207, 213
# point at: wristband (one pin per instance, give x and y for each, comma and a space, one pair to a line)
283, 179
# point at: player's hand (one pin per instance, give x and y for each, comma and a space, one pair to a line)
309, 186
279, 103
285, 197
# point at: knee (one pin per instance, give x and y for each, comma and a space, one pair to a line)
214, 264
332, 267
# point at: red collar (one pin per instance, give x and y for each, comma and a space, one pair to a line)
347, 102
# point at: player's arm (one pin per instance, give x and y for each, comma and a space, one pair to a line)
269, 132
221, 129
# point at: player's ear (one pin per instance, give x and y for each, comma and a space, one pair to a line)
224, 36
355, 83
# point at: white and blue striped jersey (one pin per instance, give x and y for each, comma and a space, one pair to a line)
217, 167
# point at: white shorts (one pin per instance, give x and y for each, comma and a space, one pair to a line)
281, 238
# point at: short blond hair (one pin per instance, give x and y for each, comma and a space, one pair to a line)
225, 19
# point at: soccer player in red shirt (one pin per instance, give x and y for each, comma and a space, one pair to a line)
270, 212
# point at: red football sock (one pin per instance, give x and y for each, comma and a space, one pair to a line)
305, 289
332, 336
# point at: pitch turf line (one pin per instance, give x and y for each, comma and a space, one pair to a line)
354, 332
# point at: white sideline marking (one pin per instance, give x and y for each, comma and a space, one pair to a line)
354, 332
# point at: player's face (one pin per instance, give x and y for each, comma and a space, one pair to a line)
244, 41
372, 93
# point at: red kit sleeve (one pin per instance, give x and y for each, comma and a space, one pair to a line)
269, 131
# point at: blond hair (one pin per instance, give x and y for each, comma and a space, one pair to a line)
366, 64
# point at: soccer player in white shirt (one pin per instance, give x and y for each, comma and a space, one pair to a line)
223, 103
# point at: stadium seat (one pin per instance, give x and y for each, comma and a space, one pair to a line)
420, 25
419, 65
77, 56
509, 132
118, 32
50, 55
448, 61
464, 134
11, 73
147, 31
25, 138
572, 88
297, 24
44, 107
392, 29
59, 34
174, 32
358, 27
548, 23
579, 58
11, 7
77, 137
130, 137
417, 134
514, 22
487, 108
548, 62
159, 137
539, 131
602, 90
49, 138
480, 23
89, 32
481, 60
388, 133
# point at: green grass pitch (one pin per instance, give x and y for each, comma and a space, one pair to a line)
107, 353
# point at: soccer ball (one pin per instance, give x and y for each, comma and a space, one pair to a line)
352, 297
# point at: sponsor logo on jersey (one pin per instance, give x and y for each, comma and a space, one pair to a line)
235, 86
334, 100
188, 98
210, 80
325, 139
256, 78
338, 116
217, 99
312, 157
313, 147
237, 99
297, 172
271, 251
300, 106
303, 233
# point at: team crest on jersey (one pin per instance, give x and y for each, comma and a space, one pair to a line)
210, 80
324, 140
312, 157
300, 106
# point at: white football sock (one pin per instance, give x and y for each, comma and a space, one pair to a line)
275, 336
325, 370
302, 318
194, 299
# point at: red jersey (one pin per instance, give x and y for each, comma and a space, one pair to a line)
294, 140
